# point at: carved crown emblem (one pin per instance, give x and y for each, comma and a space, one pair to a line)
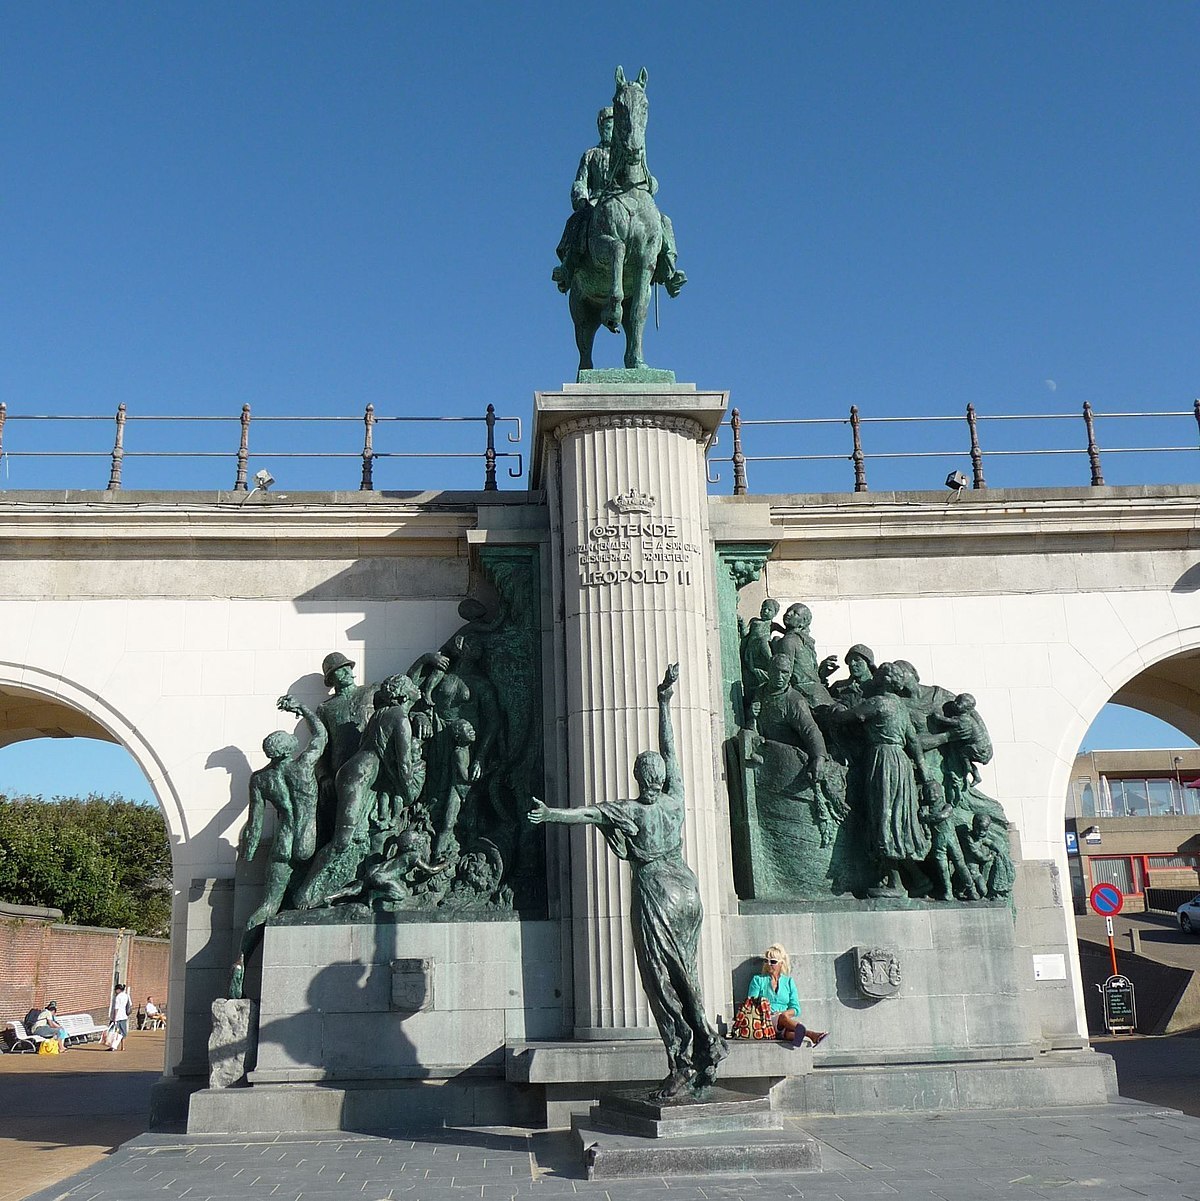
632, 501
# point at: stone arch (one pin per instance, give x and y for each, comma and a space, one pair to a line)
63, 706
1146, 677
1168, 690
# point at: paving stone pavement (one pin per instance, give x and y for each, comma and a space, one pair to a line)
1126, 1150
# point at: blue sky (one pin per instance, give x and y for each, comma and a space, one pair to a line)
311, 206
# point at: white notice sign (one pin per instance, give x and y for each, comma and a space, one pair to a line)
1049, 967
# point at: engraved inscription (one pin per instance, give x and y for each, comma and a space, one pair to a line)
634, 550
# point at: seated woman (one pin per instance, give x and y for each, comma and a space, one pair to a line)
775, 986
47, 1025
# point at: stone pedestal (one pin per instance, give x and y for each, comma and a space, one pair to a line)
627, 1135
721, 1112
624, 472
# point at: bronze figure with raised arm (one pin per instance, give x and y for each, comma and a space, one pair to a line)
666, 913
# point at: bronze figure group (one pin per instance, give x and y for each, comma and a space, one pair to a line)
865, 785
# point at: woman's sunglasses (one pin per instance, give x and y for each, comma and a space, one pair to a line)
772, 962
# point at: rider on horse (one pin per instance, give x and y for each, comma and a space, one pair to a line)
591, 179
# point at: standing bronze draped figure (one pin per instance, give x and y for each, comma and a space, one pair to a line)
666, 913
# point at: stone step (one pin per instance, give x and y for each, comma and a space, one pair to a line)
608, 1155
627, 1123
721, 1111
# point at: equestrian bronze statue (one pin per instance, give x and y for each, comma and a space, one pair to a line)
616, 243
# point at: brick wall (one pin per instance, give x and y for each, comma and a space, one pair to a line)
73, 965
148, 971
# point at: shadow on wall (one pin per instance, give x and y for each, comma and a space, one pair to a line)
210, 939
1189, 581
230, 759
419, 577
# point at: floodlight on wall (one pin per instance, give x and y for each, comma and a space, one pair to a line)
956, 481
262, 481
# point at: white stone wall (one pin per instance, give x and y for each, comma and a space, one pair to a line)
175, 625
1041, 605
189, 687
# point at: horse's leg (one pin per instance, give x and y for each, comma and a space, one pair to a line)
586, 316
637, 310
612, 255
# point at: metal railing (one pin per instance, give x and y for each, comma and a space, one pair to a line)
370, 422
863, 434
1167, 900
858, 456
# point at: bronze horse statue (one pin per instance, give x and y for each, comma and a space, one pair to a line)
611, 286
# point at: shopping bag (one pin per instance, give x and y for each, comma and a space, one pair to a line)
753, 1020
112, 1038
49, 1046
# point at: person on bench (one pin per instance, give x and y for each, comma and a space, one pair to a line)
47, 1025
155, 1018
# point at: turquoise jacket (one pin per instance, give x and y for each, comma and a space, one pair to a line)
782, 998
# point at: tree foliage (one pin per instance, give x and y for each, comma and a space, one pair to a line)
103, 861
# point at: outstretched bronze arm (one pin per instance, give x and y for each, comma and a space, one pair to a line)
542, 812
319, 736
666, 736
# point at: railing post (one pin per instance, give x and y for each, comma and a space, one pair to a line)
489, 457
118, 451
740, 486
976, 453
368, 455
860, 460
239, 484
4, 415
1195, 413
1093, 449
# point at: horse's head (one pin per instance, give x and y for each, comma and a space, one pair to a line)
630, 110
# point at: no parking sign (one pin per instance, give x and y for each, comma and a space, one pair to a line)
1107, 899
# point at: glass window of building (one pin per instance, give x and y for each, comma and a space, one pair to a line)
1085, 798
1162, 798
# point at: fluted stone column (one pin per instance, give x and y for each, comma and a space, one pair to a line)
625, 478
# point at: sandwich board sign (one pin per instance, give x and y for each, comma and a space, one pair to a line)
1120, 1011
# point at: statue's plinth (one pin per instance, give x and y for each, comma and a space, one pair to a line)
625, 376
627, 1135
625, 478
720, 1111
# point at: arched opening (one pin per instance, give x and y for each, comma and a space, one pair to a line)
88, 883
1168, 690
1133, 821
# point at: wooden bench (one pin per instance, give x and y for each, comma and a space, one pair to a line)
80, 1028
17, 1039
